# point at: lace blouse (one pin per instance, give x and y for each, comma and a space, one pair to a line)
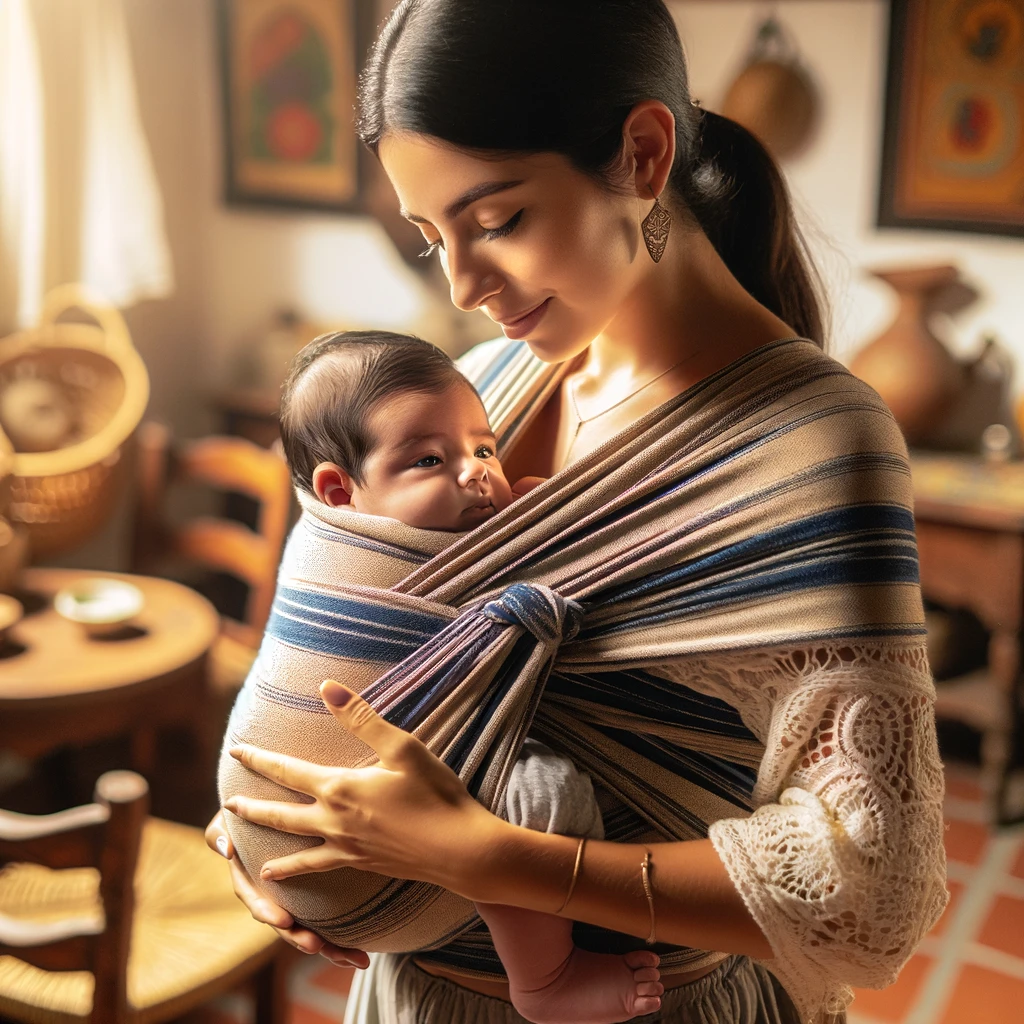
842, 863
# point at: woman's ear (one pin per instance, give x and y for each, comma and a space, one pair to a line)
649, 132
332, 485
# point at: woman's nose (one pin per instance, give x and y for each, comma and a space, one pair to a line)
472, 281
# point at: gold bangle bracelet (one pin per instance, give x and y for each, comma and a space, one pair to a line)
645, 877
575, 874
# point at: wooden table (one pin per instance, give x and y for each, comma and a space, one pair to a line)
58, 688
970, 536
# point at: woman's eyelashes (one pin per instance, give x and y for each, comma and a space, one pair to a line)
489, 233
505, 229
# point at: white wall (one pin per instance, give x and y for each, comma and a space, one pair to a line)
237, 266
835, 181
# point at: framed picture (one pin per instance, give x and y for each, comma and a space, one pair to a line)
953, 146
289, 70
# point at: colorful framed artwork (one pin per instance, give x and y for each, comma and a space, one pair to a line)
953, 146
289, 72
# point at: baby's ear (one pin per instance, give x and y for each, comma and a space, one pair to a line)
332, 485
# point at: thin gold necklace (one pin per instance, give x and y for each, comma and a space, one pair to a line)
581, 422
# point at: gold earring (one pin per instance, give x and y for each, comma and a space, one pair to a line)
655, 227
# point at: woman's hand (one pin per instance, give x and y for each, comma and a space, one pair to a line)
268, 912
408, 816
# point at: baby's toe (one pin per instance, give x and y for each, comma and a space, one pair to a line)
647, 974
650, 988
646, 1004
642, 958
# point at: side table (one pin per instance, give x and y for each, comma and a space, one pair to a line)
59, 688
970, 536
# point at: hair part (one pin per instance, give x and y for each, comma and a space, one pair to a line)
337, 381
456, 70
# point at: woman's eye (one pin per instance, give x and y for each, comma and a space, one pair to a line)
428, 462
430, 249
507, 228
484, 452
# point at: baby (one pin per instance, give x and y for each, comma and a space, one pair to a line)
387, 425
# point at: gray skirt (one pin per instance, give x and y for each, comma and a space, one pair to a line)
395, 991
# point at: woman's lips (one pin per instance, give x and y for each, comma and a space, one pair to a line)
524, 325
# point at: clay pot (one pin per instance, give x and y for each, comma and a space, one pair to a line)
912, 371
777, 102
773, 96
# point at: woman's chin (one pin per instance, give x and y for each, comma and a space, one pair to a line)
553, 348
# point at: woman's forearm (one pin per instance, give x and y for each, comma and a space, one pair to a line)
695, 901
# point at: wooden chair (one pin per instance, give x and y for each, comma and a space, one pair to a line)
230, 465
111, 917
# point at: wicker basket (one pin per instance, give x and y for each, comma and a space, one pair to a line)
64, 496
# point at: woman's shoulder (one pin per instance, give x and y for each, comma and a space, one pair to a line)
844, 403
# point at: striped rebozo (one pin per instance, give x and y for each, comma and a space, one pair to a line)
770, 504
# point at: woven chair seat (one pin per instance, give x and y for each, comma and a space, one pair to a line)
188, 933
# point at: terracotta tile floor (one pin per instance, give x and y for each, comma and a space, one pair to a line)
969, 969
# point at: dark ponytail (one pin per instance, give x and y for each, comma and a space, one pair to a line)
534, 76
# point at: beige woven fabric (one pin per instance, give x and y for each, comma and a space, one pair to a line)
716, 616
189, 928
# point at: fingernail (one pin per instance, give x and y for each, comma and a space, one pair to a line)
235, 751
222, 846
334, 693
266, 874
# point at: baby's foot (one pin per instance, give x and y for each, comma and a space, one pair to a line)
594, 988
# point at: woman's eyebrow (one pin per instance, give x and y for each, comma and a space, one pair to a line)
454, 208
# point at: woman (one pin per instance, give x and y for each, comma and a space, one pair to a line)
552, 157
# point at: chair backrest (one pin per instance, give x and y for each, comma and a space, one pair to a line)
104, 835
227, 464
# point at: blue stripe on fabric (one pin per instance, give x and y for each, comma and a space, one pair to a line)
350, 608
497, 366
645, 695
338, 642
710, 773
896, 562
348, 627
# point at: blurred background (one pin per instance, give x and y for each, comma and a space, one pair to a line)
183, 206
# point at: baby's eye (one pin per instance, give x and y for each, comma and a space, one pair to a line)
484, 452
428, 462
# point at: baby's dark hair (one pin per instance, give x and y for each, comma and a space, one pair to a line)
335, 383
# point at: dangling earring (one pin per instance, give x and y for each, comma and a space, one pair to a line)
655, 227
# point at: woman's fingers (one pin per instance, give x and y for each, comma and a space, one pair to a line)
291, 772
261, 908
217, 838
296, 819
391, 744
318, 858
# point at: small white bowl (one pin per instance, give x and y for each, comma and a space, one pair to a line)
100, 606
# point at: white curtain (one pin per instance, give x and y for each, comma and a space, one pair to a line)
22, 181
98, 214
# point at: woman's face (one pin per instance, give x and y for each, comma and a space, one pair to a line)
543, 249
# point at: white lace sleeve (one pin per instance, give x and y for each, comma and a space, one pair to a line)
842, 863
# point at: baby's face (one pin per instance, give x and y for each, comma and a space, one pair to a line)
434, 464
